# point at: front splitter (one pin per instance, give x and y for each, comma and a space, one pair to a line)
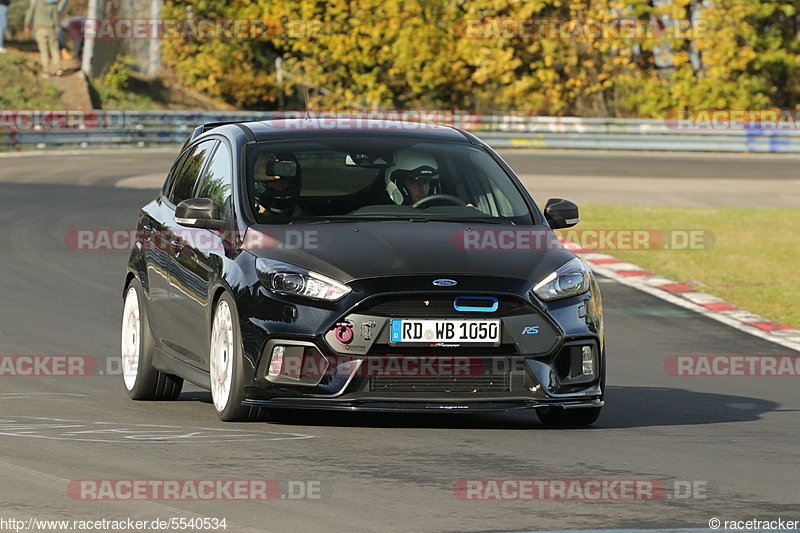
418, 406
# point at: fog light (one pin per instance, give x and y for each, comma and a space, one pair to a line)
587, 357
276, 361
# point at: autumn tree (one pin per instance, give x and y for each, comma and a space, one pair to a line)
554, 57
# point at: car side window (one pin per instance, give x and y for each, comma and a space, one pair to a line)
172, 173
216, 182
187, 178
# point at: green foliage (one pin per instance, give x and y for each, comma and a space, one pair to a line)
240, 71
16, 16
740, 54
119, 74
20, 86
106, 97
113, 91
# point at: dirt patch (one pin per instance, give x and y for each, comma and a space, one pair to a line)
74, 90
22, 88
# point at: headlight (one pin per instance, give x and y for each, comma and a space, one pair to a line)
571, 279
284, 278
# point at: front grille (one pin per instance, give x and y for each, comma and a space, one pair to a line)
472, 384
425, 306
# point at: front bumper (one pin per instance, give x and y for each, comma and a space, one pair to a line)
430, 383
537, 363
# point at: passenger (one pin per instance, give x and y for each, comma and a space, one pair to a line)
277, 195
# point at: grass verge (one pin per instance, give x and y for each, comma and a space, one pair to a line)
21, 87
753, 263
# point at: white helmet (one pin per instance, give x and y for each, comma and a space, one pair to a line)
410, 164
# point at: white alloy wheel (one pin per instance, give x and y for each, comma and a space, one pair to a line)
131, 339
222, 354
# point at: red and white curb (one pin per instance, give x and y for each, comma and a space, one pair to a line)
684, 296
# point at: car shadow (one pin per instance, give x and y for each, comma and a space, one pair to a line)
631, 407
203, 396
626, 407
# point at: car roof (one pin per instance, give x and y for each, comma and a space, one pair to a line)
350, 126
332, 127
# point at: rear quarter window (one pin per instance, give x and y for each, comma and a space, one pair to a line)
187, 177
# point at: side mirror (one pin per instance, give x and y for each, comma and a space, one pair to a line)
561, 213
198, 213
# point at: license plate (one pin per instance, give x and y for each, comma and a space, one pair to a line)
445, 331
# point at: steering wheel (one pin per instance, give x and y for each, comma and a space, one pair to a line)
449, 198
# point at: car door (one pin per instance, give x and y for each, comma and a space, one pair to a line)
152, 229
198, 261
172, 237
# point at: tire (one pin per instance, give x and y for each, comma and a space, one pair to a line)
142, 381
556, 416
226, 365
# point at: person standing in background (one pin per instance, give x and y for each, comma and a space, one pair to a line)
74, 27
42, 15
62, 47
3, 23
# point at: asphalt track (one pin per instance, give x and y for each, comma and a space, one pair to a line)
690, 180
734, 437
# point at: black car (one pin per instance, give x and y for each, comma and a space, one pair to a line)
370, 265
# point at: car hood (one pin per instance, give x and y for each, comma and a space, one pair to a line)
361, 250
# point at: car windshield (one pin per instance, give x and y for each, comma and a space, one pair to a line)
332, 180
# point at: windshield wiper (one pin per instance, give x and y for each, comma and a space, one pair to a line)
346, 218
474, 220
403, 218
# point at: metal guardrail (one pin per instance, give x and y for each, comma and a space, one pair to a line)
160, 128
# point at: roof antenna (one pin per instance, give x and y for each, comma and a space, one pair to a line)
308, 111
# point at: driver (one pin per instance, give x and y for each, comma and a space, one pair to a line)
277, 195
414, 177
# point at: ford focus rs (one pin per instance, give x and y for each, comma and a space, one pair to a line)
375, 266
